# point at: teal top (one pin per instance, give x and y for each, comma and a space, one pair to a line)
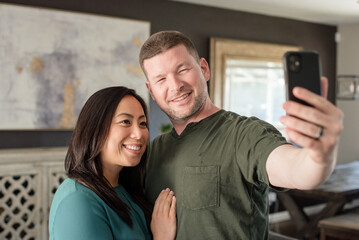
79, 213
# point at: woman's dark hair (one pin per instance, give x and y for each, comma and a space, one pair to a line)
82, 161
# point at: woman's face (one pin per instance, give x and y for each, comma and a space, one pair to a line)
127, 138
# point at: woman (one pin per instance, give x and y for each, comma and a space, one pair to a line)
103, 196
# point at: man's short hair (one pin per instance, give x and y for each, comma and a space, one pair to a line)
162, 41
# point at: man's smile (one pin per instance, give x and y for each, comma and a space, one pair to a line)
180, 98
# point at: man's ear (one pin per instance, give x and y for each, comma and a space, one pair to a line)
205, 68
150, 91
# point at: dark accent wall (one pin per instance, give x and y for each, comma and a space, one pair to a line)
199, 23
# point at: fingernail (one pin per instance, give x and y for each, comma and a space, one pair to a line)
171, 192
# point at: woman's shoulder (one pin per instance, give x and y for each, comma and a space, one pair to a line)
73, 197
73, 192
70, 188
77, 211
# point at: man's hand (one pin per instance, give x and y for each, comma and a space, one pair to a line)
163, 224
315, 128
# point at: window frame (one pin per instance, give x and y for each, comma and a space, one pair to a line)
222, 49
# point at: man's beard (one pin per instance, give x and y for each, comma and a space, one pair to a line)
180, 116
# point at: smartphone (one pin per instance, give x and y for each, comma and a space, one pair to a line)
302, 69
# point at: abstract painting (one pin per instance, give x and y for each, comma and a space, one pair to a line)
51, 61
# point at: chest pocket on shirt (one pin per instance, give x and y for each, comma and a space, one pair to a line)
201, 187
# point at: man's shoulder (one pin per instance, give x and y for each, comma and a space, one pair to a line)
245, 120
163, 137
229, 119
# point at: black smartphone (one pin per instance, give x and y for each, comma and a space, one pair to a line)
302, 69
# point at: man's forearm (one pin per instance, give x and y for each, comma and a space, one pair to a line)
292, 167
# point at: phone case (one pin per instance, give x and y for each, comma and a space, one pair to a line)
302, 69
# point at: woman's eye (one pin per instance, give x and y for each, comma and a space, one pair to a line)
125, 122
143, 124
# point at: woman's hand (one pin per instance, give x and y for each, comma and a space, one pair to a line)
163, 224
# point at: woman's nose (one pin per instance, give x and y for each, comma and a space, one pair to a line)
137, 132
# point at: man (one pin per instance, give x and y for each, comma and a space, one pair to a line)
220, 164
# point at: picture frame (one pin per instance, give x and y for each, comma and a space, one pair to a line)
51, 61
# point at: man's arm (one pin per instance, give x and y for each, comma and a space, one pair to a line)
305, 168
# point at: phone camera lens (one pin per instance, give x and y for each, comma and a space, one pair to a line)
294, 63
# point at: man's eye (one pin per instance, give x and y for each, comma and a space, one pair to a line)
161, 79
183, 70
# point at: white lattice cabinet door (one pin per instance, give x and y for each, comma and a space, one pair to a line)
54, 176
20, 201
28, 181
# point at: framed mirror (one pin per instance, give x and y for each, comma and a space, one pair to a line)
247, 78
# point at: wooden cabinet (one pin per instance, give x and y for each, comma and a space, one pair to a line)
28, 181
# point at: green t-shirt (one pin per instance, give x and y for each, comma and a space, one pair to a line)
217, 170
78, 213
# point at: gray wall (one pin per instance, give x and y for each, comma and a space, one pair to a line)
198, 22
348, 64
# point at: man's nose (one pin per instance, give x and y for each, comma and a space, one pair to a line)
175, 84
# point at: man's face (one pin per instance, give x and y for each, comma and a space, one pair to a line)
177, 82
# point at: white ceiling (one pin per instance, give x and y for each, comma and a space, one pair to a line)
331, 12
